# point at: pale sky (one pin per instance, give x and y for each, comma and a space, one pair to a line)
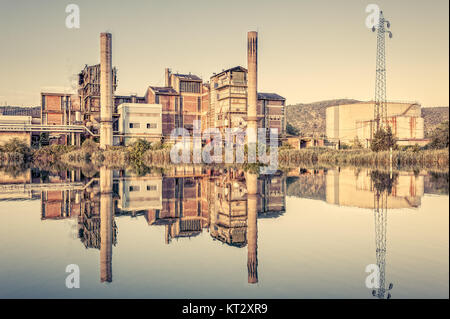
308, 50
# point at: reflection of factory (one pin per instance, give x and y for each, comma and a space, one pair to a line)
345, 188
184, 200
356, 188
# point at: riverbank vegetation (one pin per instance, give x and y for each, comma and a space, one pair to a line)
145, 154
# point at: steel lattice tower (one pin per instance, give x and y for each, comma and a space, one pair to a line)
380, 109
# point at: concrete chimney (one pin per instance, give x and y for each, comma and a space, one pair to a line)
167, 77
106, 224
252, 227
106, 90
252, 85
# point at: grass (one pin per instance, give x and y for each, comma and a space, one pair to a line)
364, 158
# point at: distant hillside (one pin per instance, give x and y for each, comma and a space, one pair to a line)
433, 116
309, 119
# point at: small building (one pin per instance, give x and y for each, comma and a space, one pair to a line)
138, 121
298, 142
14, 121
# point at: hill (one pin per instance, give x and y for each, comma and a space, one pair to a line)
433, 116
309, 119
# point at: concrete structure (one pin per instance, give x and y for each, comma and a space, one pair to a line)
345, 122
106, 224
138, 120
19, 121
106, 91
252, 227
252, 94
298, 142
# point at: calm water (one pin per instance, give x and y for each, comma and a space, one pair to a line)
205, 234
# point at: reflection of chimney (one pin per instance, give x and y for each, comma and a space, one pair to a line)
106, 224
252, 99
167, 77
106, 90
252, 227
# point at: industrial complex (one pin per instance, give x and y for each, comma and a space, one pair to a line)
228, 99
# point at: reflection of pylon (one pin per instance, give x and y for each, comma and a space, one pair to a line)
380, 212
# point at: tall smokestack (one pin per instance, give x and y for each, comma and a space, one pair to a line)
252, 99
106, 224
167, 77
252, 227
106, 90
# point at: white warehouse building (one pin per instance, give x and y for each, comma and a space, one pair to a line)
139, 121
346, 122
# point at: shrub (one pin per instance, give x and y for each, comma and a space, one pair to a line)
440, 137
16, 145
90, 146
383, 140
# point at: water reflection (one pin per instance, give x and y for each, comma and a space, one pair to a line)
226, 203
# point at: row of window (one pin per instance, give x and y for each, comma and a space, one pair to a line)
138, 125
136, 188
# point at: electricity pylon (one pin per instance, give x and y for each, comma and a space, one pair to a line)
380, 109
380, 213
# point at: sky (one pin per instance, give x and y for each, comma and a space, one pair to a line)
308, 50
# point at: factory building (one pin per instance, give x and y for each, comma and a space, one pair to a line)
228, 103
138, 121
59, 107
346, 122
181, 99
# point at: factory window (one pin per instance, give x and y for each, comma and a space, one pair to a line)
176, 104
43, 102
151, 187
157, 99
216, 85
191, 87
134, 188
199, 105
135, 125
152, 125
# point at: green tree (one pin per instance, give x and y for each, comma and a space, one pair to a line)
44, 139
292, 130
383, 140
439, 136
16, 145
